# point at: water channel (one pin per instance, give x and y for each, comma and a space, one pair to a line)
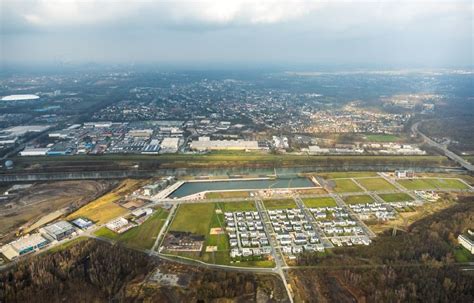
190, 188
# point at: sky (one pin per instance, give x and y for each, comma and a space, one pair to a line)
415, 33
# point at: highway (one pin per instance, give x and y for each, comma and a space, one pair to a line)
451, 155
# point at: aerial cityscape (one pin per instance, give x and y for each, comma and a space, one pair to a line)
236, 151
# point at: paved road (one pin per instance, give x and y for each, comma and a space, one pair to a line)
447, 152
276, 251
310, 219
344, 206
195, 262
164, 228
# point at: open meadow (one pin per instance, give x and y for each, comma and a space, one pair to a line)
376, 184
319, 202
359, 199
396, 197
432, 184
279, 203
345, 186
347, 174
237, 206
193, 218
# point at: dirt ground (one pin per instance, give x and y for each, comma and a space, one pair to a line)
107, 206
43, 198
404, 219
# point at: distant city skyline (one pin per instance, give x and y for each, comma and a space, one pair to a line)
239, 33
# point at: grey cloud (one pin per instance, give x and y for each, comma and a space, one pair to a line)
390, 32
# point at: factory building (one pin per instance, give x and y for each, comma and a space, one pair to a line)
23, 246
119, 225
404, 174
31, 151
169, 145
141, 133
142, 212
153, 189
467, 241
58, 231
82, 223
204, 143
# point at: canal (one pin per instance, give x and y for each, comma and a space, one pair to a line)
190, 188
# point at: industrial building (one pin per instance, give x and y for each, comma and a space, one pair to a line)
119, 225
82, 223
467, 241
58, 230
23, 246
31, 151
153, 189
141, 133
142, 212
204, 143
404, 174
316, 150
169, 145
151, 149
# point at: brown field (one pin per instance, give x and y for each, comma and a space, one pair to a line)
105, 208
44, 198
404, 219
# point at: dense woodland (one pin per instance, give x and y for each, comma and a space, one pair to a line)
460, 129
416, 266
87, 271
94, 271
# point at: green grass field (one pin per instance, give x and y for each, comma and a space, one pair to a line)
448, 183
346, 186
462, 255
432, 183
376, 184
359, 199
194, 218
348, 174
414, 184
382, 138
237, 206
319, 202
279, 204
140, 237
398, 197
227, 194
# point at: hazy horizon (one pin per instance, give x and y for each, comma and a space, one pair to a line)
242, 34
